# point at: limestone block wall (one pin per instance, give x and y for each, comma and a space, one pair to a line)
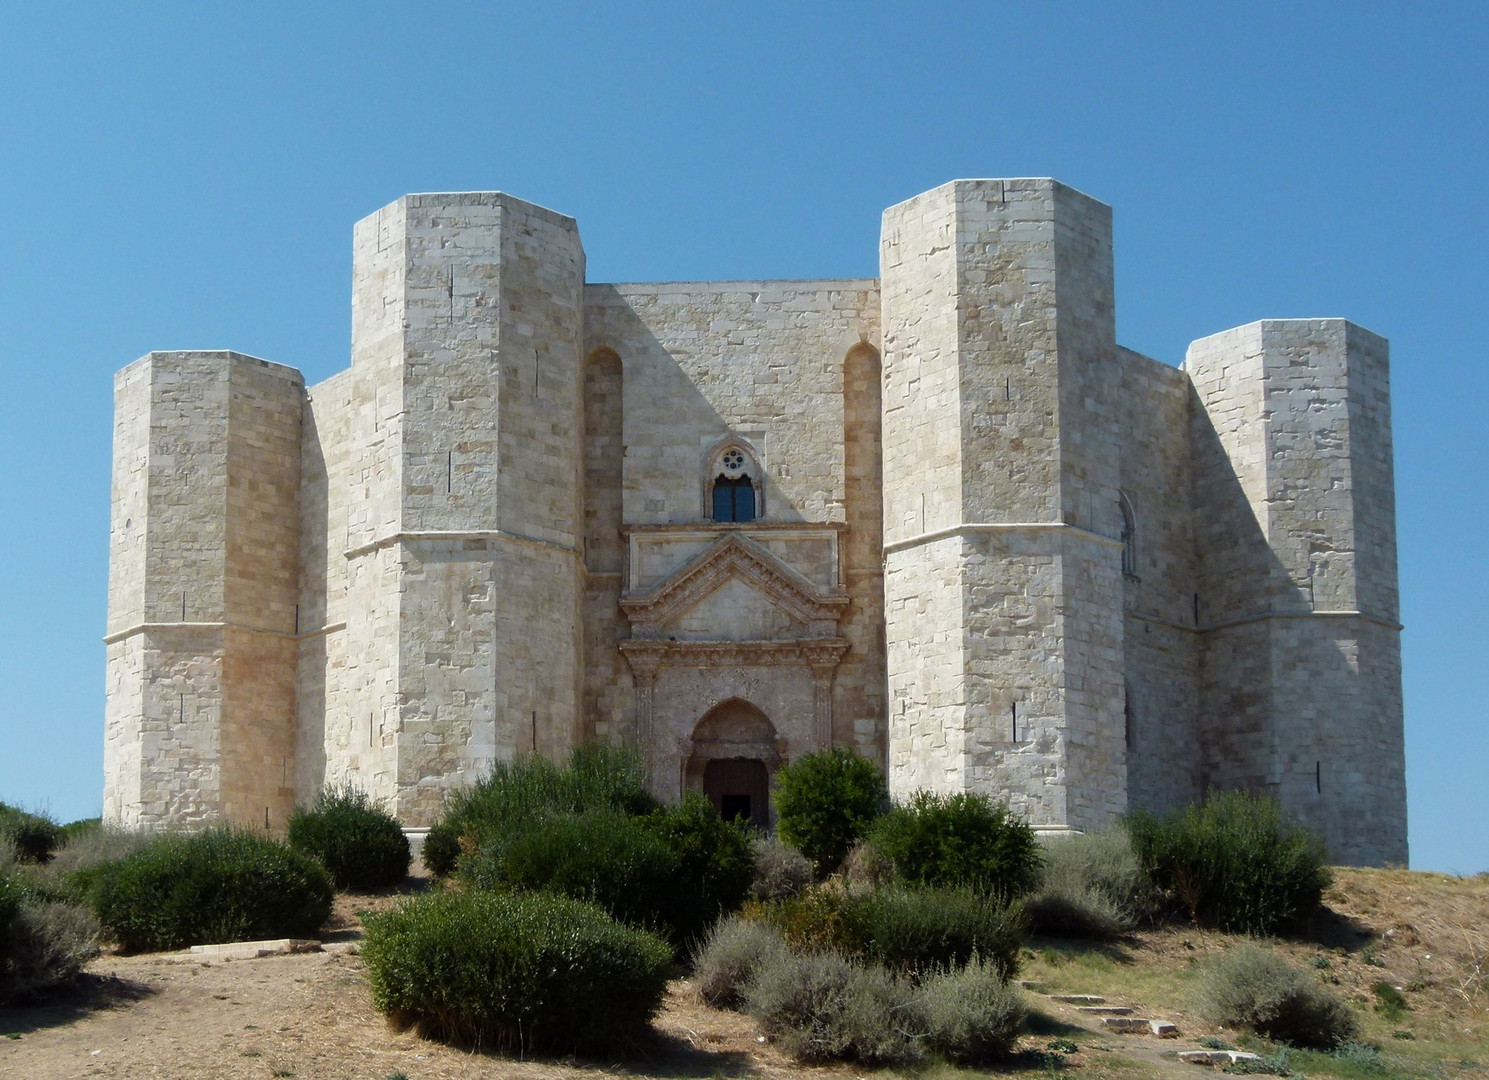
1300, 681
1160, 645
200, 717
773, 363
324, 738
1000, 413
464, 523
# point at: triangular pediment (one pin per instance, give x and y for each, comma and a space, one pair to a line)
733, 584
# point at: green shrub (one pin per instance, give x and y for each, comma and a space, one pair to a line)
729, 957
1236, 863
601, 857
825, 801
45, 944
715, 864
961, 839
10, 902
223, 884
1091, 886
675, 870
596, 777
441, 849
85, 856
780, 870
33, 836
1254, 988
820, 1007
810, 922
971, 1014
360, 845
513, 971
911, 930
1389, 1002
75, 831
917, 930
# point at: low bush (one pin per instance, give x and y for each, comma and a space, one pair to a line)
32, 836
961, 839
1236, 863
780, 870
734, 951
825, 801
1090, 886
715, 864
600, 857
86, 855
223, 884
820, 1007
360, 845
810, 922
971, 1015
44, 944
511, 971
596, 778
911, 930
441, 849
1251, 987
916, 931
674, 870
76, 831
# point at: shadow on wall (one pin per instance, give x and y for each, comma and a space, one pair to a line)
1292, 702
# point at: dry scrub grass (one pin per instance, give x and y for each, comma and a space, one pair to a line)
311, 1015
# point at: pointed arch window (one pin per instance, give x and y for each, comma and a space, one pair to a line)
733, 499
732, 484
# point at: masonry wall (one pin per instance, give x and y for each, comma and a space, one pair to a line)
1299, 680
464, 547
1000, 399
1160, 643
770, 362
200, 722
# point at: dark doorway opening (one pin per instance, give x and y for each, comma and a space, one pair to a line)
739, 789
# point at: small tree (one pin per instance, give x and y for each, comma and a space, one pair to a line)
825, 801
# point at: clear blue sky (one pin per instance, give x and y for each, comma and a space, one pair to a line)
188, 176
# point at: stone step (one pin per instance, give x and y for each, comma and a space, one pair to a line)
1079, 999
1217, 1057
1128, 1025
252, 950
1104, 1010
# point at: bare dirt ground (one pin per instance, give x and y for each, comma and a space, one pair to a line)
310, 1015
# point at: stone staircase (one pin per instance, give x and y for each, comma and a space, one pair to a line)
1119, 1020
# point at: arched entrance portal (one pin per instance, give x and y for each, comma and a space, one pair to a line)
739, 789
734, 751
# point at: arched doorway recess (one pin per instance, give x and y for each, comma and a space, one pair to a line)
734, 750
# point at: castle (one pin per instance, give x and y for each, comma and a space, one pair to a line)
941, 517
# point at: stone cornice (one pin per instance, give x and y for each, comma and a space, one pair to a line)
733, 556
153, 627
968, 528
646, 656
451, 536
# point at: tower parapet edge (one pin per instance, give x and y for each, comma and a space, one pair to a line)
1298, 613
203, 561
1002, 574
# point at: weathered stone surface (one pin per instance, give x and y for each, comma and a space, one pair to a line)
1012, 557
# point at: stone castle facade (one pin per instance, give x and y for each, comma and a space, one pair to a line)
941, 517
